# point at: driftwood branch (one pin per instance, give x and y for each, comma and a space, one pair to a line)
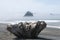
27, 30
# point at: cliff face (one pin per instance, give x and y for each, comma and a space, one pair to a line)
28, 14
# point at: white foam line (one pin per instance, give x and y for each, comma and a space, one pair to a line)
16, 22
32, 21
58, 27
50, 20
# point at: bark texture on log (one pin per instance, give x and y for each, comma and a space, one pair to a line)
27, 30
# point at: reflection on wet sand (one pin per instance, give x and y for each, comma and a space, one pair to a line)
40, 38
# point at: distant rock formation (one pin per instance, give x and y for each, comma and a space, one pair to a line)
28, 14
54, 14
51, 14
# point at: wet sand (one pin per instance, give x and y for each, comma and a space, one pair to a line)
46, 34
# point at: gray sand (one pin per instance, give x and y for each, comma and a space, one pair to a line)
46, 34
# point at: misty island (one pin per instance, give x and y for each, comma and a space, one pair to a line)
28, 14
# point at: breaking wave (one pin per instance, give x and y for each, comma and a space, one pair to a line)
13, 22
47, 21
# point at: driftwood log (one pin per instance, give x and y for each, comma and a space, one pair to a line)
27, 30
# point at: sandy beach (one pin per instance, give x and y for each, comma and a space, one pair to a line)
46, 34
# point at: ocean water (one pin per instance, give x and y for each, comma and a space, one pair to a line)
51, 20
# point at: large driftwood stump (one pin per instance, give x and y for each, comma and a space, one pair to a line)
27, 30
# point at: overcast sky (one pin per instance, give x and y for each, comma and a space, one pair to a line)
16, 8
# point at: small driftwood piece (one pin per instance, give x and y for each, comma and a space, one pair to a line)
27, 30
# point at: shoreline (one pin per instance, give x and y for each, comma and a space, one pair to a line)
46, 33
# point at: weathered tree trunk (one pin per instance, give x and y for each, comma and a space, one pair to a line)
26, 30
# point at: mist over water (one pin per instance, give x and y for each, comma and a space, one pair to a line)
35, 17
52, 20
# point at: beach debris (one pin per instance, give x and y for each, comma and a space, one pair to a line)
27, 29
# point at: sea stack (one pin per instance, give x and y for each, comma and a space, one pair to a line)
28, 13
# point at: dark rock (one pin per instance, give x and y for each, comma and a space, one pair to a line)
28, 14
